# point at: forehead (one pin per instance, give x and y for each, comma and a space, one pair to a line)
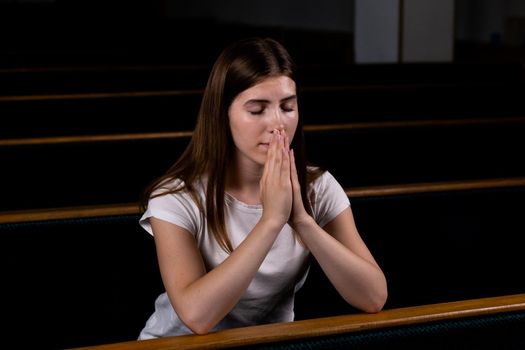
270, 88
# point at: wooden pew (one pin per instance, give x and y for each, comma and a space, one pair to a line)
99, 113
110, 166
105, 247
435, 242
116, 99
381, 131
92, 271
176, 109
78, 281
370, 192
67, 80
386, 153
485, 322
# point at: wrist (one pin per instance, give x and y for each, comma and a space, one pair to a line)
303, 222
271, 224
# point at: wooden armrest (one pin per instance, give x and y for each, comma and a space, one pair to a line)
278, 332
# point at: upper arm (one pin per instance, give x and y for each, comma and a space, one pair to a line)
180, 260
343, 228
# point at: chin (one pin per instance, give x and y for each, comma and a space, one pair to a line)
260, 159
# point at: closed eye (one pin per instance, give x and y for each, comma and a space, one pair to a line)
259, 112
289, 107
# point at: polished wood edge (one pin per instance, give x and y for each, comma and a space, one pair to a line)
307, 128
364, 192
413, 123
327, 326
100, 95
427, 187
68, 213
95, 138
104, 68
163, 93
388, 87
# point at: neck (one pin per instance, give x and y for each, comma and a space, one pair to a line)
242, 180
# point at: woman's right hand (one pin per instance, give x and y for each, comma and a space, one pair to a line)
275, 185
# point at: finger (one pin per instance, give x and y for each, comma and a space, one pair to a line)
277, 156
287, 141
294, 176
266, 162
285, 167
270, 157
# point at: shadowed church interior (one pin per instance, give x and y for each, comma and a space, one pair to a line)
416, 107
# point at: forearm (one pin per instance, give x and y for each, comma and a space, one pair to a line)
211, 296
359, 281
206, 301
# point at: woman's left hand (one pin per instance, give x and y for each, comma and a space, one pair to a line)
299, 214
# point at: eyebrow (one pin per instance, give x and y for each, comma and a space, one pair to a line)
286, 99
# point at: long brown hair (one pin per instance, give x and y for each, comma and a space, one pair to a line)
239, 67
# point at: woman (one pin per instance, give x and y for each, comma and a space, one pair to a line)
237, 216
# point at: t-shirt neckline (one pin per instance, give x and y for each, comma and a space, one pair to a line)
240, 204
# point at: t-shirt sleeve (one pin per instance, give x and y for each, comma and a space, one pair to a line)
330, 199
176, 208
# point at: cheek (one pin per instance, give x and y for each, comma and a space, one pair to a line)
236, 123
291, 127
244, 130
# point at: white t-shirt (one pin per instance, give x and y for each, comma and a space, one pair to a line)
270, 296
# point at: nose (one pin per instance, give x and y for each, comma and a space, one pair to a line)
277, 121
